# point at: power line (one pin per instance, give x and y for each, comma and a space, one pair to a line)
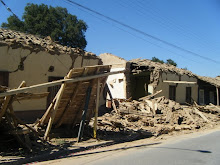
141, 11
186, 31
8, 9
143, 33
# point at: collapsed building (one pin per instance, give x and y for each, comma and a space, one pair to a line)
144, 77
37, 60
160, 99
59, 86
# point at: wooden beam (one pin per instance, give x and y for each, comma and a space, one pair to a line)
96, 108
82, 123
49, 109
56, 105
200, 114
179, 82
70, 102
58, 82
8, 101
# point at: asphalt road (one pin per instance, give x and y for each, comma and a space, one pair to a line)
193, 150
200, 150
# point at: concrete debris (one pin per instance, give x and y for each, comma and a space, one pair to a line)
158, 116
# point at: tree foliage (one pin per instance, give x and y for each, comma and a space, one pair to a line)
169, 61
155, 59
55, 22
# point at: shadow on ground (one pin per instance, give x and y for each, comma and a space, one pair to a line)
64, 148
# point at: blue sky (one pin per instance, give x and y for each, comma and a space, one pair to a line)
190, 24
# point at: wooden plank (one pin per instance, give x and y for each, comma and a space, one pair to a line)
113, 102
5, 106
96, 109
83, 90
200, 114
56, 105
82, 123
72, 97
150, 96
60, 121
41, 122
54, 109
8, 102
180, 82
58, 82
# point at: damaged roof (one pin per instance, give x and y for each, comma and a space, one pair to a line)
156, 66
210, 80
34, 43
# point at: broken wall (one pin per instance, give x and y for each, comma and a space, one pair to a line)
140, 84
35, 68
118, 83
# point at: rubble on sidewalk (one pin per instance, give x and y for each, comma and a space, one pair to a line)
158, 116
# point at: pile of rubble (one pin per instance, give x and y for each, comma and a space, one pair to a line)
158, 116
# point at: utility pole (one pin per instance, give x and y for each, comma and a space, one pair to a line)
9, 9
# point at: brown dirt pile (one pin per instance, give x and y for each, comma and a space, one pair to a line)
158, 116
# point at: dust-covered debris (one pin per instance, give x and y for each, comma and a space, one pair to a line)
158, 116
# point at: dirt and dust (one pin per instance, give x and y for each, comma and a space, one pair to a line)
130, 124
154, 117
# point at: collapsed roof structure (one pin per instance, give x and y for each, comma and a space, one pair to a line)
37, 60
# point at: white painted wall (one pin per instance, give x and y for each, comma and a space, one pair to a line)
117, 84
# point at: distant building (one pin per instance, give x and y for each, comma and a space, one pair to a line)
208, 90
144, 77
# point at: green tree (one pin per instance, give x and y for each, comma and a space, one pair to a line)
14, 24
55, 22
155, 59
171, 62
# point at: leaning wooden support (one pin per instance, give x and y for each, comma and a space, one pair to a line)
70, 102
96, 109
54, 110
56, 105
82, 123
8, 101
112, 99
48, 111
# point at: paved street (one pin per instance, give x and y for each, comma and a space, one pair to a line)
192, 151
200, 150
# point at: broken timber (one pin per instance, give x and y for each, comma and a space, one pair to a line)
59, 82
68, 105
12, 121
